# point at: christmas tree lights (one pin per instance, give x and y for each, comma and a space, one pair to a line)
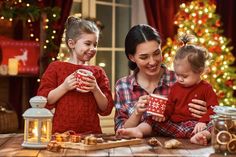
199, 19
29, 12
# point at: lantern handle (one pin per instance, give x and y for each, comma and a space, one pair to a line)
38, 101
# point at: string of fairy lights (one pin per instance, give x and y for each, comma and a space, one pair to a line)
33, 14
30, 12
199, 19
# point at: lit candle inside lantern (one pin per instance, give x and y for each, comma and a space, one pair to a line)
35, 132
12, 66
35, 136
38, 125
44, 130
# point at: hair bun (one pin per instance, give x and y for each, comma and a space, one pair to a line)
72, 19
186, 38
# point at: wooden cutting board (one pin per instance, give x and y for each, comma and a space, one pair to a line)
104, 145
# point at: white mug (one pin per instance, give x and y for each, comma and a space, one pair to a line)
80, 74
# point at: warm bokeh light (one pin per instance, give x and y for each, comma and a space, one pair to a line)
200, 19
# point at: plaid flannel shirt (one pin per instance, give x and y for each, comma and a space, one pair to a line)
128, 92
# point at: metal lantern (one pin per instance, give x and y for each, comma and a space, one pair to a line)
38, 124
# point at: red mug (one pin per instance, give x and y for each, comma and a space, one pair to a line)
157, 105
80, 74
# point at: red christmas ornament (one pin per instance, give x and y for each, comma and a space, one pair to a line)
216, 36
217, 23
199, 33
218, 49
201, 4
221, 95
212, 2
229, 83
204, 18
219, 72
215, 49
195, 20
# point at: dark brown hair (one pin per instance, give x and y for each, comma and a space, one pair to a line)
74, 27
196, 55
137, 35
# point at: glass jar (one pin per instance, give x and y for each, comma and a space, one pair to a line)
224, 130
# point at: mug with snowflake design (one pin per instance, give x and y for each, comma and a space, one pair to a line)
157, 105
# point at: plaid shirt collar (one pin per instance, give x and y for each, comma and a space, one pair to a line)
163, 80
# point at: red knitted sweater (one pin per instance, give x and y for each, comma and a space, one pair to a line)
75, 110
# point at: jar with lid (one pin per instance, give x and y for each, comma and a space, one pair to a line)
224, 130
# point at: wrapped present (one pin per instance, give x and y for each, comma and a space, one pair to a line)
26, 52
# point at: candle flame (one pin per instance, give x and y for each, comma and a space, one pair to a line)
35, 132
35, 129
44, 129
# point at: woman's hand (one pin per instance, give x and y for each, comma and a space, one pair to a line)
197, 108
141, 105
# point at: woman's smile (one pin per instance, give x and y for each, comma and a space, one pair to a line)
152, 68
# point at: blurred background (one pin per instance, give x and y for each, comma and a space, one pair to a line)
31, 36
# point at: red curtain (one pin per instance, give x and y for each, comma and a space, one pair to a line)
65, 6
161, 13
227, 11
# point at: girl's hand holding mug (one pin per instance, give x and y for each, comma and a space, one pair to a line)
90, 84
70, 82
85, 80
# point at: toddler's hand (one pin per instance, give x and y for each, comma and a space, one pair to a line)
199, 127
120, 132
70, 82
158, 119
141, 105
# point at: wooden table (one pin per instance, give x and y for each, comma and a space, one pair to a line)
10, 145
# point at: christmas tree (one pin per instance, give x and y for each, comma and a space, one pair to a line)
199, 19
